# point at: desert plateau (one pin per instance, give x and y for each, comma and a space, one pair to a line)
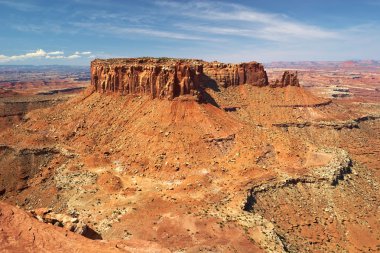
186, 155
248, 127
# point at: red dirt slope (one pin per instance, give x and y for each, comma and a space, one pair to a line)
20, 232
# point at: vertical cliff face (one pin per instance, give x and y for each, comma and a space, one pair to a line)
288, 79
154, 77
170, 78
226, 75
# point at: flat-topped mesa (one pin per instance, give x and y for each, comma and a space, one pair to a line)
170, 78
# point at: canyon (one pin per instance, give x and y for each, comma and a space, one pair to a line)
184, 155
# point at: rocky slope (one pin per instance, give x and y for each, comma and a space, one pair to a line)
19, 232
251, 169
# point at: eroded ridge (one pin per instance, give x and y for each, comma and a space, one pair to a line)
295, 207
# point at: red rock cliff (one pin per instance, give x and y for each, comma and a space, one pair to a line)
170, 78
288, 79
227, 75
159, 78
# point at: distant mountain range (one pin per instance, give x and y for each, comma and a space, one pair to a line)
56, 68
28, 73
324, 64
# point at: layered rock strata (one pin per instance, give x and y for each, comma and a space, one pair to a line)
159, 78
170, 78
226, 75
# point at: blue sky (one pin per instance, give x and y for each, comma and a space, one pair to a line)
76, 31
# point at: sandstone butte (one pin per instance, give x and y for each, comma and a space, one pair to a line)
171, 78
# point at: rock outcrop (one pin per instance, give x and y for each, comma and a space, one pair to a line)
288, 79
63, 220
157, 77
337, 125
170, 78
19, 232
226, 75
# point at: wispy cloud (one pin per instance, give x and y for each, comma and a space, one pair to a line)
206, 21
18, 5
83, 53
212, 29
44, 27
56, 53
373, 2
55, 57
73, 56
269, 26
27, 28
42, 54
149, 32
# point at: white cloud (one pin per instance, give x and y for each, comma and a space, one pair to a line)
42, 54
82, 53
37, 54
73, 56
56, 53
55, 57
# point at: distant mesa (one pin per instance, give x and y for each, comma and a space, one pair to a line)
168, 78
